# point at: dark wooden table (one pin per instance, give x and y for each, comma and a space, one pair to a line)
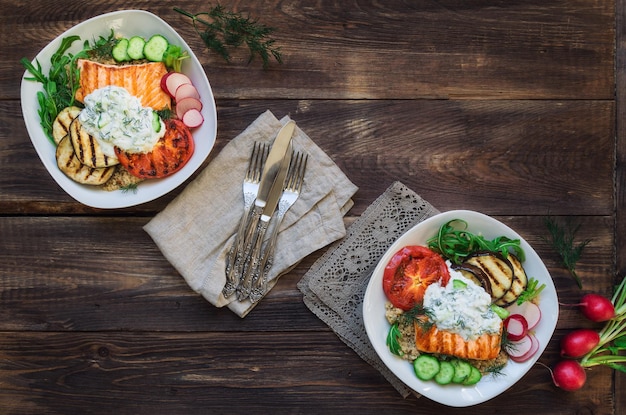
511, 108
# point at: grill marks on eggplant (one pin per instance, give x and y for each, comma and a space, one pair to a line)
70, 165
503, 278
87, 148
520, 281
62, 122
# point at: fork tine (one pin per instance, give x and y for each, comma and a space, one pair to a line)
300, 177
295, 171
257, 160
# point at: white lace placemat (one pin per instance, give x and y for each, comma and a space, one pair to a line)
335, 285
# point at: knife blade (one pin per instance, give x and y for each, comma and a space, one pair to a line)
273, 162
268, 177
252, 262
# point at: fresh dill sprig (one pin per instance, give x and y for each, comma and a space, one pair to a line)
130, 188
223, 30
562, 239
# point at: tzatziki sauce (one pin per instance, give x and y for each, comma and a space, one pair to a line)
115, 118
462, 308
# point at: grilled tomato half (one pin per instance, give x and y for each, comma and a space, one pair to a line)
168, 155
409, 272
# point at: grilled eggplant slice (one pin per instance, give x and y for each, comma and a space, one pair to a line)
87, 148
498, 270
70, 165
61, 124
475, 274
520, 281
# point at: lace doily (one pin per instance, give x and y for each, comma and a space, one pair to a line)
335, 285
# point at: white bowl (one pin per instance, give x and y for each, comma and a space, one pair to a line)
125, 23
377, 327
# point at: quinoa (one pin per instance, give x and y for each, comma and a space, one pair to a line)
121, 179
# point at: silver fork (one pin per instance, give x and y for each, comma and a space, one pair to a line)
250, 189
292, 191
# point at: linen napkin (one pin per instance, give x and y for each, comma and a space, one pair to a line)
195, 231
335, 285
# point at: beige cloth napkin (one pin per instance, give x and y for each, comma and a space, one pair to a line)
195, 231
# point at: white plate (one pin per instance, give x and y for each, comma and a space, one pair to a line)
377, 327
124, 23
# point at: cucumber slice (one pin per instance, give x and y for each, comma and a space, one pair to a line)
426, 367
462, 370
135, 47
120, 51
445, 374
156, 122
473, 378
155, 48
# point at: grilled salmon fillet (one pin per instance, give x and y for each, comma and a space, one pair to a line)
433, 340
142, 81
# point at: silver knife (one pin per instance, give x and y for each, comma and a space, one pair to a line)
268, 177
252, 262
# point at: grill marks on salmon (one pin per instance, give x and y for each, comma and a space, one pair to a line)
433, 340
142, 80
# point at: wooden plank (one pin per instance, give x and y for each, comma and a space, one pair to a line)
93, 274
495, 156
196, 373
504, 50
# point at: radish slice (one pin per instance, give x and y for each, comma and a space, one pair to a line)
186, 91
520, 348
530, 311
516, 327
534, 346
187, 104
193, 118
173, 80
164, 82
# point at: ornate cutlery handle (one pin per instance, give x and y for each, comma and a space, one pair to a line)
235, 273
251, 270
260, 282
235, 249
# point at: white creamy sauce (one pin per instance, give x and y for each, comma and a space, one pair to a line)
117, 119
462, 310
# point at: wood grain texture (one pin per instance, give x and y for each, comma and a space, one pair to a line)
512, 108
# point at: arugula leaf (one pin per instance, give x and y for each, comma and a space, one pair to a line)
457, 244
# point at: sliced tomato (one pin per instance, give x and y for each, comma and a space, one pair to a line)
168, 156
409, 272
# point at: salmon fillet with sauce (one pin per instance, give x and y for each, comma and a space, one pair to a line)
142, 81
433, 340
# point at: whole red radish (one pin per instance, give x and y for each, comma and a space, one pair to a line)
596, 307
579, 342
569, 375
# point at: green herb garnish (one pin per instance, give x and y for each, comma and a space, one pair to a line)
58, 85
456, 243
393, 340
130, 188
533, 289
223, 30
562, 240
